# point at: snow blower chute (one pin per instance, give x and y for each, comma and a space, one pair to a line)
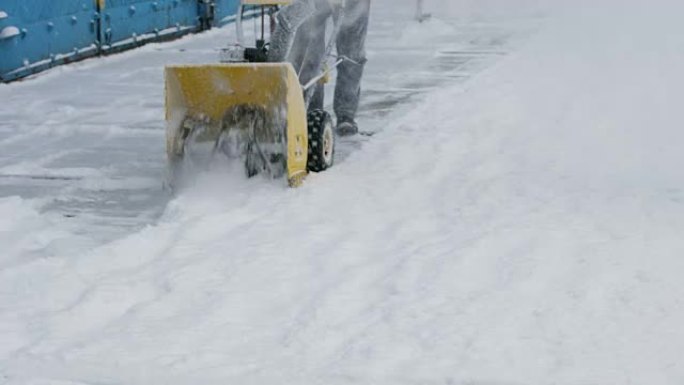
248, 110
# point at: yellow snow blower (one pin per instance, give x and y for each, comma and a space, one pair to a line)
246, 109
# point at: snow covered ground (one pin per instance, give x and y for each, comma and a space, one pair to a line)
86, 141
518, 218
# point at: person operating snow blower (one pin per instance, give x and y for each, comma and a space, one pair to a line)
254, 108
299, 38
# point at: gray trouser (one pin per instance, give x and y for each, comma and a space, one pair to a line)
308, 18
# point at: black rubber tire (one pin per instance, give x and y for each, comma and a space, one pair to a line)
321, 155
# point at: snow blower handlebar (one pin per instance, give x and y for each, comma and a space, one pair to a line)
327, 71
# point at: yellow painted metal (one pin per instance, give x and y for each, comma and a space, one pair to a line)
297, 130
207, 92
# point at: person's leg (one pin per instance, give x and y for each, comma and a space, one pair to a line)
305, 44
312, 54
351, 44
299, 46
315, 54
288, 21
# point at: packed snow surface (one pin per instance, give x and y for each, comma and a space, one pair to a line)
522, 225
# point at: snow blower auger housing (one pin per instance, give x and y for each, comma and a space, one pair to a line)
247, 111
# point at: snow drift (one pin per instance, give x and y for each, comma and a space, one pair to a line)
523, 228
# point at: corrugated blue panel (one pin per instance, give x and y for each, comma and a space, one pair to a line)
35, 34
38, 34
224, 11
132, 22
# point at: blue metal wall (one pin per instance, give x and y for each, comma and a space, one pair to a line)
49, 32
126, 22
38, 34
225, 11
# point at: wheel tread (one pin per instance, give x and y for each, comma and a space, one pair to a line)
317, 121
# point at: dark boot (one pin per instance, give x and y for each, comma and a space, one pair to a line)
346, 126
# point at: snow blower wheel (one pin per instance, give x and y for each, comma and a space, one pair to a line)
321, 141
